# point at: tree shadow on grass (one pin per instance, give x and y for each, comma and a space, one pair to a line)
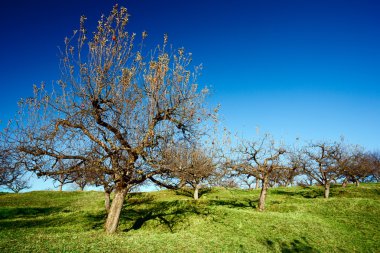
36, 222
26, 212
247, 203
308, 192
167, 213
188, 192
297, 245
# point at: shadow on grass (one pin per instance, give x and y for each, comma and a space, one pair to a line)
167, 213
26, 212
34, 223
301, 245
308, 192
188, 192
248, 203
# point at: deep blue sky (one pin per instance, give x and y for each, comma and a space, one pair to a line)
308, 69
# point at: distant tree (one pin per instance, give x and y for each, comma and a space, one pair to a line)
114, 98
325, 162
18, 185
260, 159
248, 182
358, 167
12, 174
60, 173
375, 172
188, 165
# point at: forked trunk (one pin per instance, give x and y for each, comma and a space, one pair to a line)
114, 213
196, 192
327, 190
263, 195
107, 201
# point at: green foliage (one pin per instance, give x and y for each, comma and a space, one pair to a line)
296, 220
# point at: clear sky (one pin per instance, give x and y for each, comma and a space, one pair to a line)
296, 68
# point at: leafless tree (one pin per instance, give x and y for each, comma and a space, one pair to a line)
12, 174
248, 182
375, 172
18, 185
188, 165
259, 159
325, 162
360, 166
117, 99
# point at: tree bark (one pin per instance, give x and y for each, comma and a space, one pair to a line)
60, 186
327, 190
263, 195
113, 216
357, 182
257, 184
196, 192
344, 184
107, 201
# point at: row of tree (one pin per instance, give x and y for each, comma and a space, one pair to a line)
120, 117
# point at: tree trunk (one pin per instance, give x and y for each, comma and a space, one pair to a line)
356, 182
60, 186
107, 201
344, 184
327, 190
113, 216
263, 195
196, 192
257, 184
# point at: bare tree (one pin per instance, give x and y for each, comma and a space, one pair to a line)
260, 159
62, 179
359, 166
188, 165
114, 99
375, 171
12, 174
18, 185
325, 162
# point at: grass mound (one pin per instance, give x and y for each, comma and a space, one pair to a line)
296, 220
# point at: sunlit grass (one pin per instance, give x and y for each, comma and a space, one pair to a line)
296, 220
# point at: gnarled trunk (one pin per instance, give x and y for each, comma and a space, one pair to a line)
327, 190
107, 201
263, 195
114, 213
196, 192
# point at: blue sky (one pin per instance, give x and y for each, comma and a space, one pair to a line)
308, 69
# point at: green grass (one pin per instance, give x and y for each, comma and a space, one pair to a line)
296, 220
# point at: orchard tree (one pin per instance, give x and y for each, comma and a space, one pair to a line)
325, 163
186, 165
260, 159
116, 98
360, 166
12, 174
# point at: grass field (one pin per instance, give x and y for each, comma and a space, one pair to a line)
296, 220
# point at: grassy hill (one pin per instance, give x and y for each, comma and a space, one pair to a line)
296, 220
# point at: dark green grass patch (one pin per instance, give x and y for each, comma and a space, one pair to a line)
296, 220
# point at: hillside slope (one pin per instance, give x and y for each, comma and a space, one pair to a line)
296, 220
